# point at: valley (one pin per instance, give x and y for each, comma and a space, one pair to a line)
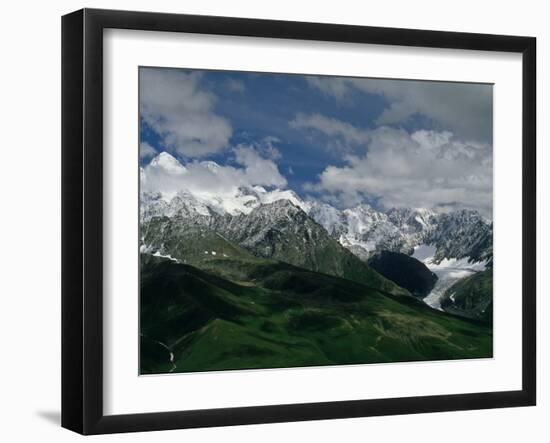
259, 278
250, 313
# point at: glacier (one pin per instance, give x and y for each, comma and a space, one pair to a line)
448, 272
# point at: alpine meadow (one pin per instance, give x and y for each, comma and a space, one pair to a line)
302, 220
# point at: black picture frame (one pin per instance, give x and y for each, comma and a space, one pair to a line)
82, 218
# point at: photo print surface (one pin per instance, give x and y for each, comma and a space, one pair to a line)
298, 220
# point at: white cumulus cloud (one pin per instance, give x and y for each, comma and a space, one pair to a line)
167, 175
421, 169
173, 104
258, 170
146, 151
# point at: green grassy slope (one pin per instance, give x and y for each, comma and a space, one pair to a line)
200, 245
239, 313
471, 297
191, 244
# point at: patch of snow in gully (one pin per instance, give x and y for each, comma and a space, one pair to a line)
168, 256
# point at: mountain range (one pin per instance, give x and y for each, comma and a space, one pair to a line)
253, 277
361, 229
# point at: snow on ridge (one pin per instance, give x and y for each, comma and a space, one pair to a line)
277, 194
168, 162
424, 252
168, 256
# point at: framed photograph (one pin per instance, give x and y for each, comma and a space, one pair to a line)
269, 221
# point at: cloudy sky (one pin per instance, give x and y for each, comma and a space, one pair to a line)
389, 143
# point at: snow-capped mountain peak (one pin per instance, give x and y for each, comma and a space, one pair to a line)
168, 162
166, 176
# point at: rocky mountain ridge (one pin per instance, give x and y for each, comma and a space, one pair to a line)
248, 213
